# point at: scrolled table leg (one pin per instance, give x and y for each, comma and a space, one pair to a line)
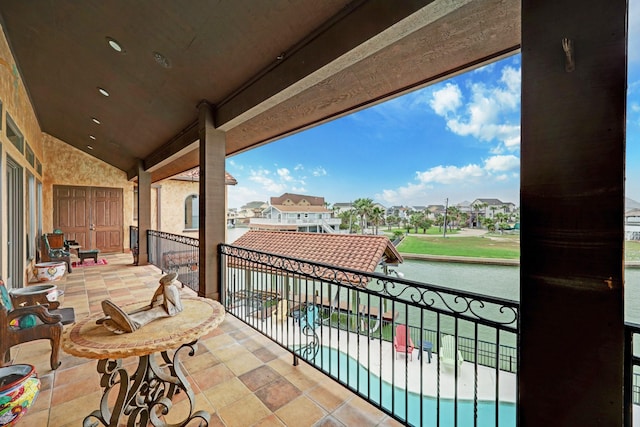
146, 395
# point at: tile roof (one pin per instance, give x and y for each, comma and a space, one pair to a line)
297, 198
352, 251
194, 175
301, 208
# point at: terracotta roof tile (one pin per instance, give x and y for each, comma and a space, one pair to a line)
357, 252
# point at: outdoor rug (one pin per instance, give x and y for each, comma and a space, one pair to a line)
88, 263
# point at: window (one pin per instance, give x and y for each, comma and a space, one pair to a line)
29, 155
14, 135
191, 212
135, 203
31, 216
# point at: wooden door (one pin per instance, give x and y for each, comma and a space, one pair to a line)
92, 216
106, 219
71, 213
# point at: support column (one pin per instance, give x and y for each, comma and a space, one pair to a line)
572, 211
144, 212
212, 209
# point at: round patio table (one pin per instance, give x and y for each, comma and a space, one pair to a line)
146, 393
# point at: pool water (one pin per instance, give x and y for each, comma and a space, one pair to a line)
406, 405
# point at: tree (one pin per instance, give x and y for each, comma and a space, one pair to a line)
425, 223
363, 207
477, 207
415, 220
464, 218
376, 216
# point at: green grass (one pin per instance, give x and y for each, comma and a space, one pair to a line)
507, 247
433, 231
490, 246
631, 250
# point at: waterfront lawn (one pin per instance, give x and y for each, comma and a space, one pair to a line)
507, 247
432, 231
631, 250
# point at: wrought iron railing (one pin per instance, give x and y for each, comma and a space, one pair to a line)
175, 253
345, 322
134, 243
632, 371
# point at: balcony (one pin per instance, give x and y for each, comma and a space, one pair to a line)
238, 375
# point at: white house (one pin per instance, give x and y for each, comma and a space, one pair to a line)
295, 212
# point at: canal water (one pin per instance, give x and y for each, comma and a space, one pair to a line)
500, 281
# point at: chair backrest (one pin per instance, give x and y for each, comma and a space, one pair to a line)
5, 299
55, 240
23, 322
448, 346
402, 334
448, 351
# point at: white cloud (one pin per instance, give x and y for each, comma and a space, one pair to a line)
449, 180
502, 163
319, 171
233, 164
488, 114
284, 174
262, 178
298, 167
446, 100
449, 174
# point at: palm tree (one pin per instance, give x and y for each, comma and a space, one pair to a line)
376, 216
464, 218
477, 207
363, 209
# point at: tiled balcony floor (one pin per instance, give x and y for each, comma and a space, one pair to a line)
239, 376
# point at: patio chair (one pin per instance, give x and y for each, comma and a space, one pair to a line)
54, 249
402, 341
27, 318
447, 353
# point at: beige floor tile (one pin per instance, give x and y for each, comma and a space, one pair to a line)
301, 412
329, 395
243, 363
226, 393
244, 412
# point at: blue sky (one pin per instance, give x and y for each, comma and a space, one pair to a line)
457, 140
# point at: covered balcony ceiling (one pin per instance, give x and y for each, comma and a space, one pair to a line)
269, 68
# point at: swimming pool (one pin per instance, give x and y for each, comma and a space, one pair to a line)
406, 405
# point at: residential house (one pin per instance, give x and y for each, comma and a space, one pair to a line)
488, 208
85, 118
295, 212
175, 203
250, 210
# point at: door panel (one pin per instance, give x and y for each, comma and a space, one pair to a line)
71, 213
90, 215
107, 218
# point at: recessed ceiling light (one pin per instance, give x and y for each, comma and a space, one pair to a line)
103, 92
161, 59
94, 120
89, 147
115, 45
92, 137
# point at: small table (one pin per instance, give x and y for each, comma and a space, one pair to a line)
426, 346
148, 391
88, 253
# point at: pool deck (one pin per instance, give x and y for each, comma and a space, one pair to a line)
417, 375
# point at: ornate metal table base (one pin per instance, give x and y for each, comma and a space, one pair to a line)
146, 395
